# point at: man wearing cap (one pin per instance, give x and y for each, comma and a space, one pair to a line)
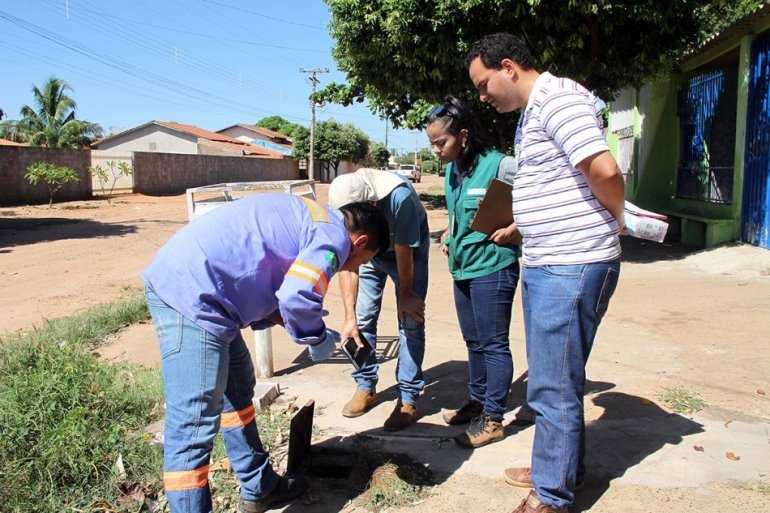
259, 261
406, 263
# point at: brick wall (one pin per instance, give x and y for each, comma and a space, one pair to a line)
15, 189
171, 173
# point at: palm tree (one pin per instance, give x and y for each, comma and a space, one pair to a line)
52, 122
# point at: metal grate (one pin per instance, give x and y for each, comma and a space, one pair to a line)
755, 225
706, 108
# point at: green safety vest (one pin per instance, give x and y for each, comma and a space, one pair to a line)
470, 253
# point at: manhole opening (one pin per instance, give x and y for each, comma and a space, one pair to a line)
329, 464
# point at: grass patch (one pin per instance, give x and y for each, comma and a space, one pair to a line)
66, 417
273, 429
682, 400
433, 197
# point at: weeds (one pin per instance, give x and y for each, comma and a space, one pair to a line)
681, 400
66, 417
396, 481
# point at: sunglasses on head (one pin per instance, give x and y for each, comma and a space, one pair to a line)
439, 111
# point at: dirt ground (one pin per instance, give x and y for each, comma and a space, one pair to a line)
692, 319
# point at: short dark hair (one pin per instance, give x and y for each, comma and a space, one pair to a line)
454, 116
367, 219
492, 49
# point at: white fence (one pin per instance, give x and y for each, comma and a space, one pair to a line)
106, 160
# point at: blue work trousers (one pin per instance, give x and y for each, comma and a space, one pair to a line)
208, 384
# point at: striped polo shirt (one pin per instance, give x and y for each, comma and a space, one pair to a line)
560, 219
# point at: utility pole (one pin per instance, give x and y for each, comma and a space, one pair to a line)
314, 82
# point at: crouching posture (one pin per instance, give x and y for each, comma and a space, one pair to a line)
259, 261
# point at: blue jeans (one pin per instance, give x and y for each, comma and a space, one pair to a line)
207, 382
411, 333
483, 307
563, 306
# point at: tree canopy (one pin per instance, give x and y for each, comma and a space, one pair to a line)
51, 122
278, 124
379, 155
334, 142
402, 56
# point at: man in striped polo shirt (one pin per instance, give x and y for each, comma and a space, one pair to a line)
568, 203
262, 260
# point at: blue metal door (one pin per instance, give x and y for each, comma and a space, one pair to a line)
755, 225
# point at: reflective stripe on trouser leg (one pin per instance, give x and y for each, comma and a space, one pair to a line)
194, 366
186, 480
247, 456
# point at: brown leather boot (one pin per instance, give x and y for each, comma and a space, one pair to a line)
360, 403
533, 505
404, 415
482, 431
522, 477
467, 413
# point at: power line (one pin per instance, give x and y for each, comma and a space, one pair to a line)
315, 27
126, 67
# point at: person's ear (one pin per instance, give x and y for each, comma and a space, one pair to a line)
360, 241
464, 137
509, 67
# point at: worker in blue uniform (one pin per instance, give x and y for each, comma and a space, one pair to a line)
256, 262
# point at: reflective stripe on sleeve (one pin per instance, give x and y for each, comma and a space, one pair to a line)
310, 273
236, 419
186, 480
317, 212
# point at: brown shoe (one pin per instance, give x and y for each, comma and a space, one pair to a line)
360, 403
404, 415
482, 431
533, 505
467, 413
522, 477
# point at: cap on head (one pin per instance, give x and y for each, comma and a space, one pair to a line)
346, 189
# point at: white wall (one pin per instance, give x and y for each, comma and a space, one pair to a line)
240, 133
152, 138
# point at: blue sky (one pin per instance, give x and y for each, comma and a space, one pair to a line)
210, 63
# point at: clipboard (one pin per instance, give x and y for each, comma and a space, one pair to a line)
495, 209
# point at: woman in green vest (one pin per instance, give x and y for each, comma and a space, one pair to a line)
485, 268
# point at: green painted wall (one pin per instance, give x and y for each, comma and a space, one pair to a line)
700, 223
655, 182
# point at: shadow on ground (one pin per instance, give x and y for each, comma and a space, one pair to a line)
18, 232
630, 429
643, 251
387, 349
342, 469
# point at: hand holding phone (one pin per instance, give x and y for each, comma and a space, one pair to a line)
357, 354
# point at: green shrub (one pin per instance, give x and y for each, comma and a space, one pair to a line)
52, 175
66, 416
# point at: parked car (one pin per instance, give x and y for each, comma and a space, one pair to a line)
410, 171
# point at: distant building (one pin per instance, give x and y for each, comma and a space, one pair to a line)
162, 137
259, 136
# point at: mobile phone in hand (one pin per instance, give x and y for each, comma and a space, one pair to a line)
357, 354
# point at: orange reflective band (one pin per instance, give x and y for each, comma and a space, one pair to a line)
310, 273
186, 480
236, 419
317, 212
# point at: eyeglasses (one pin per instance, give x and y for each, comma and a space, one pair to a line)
439, 111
